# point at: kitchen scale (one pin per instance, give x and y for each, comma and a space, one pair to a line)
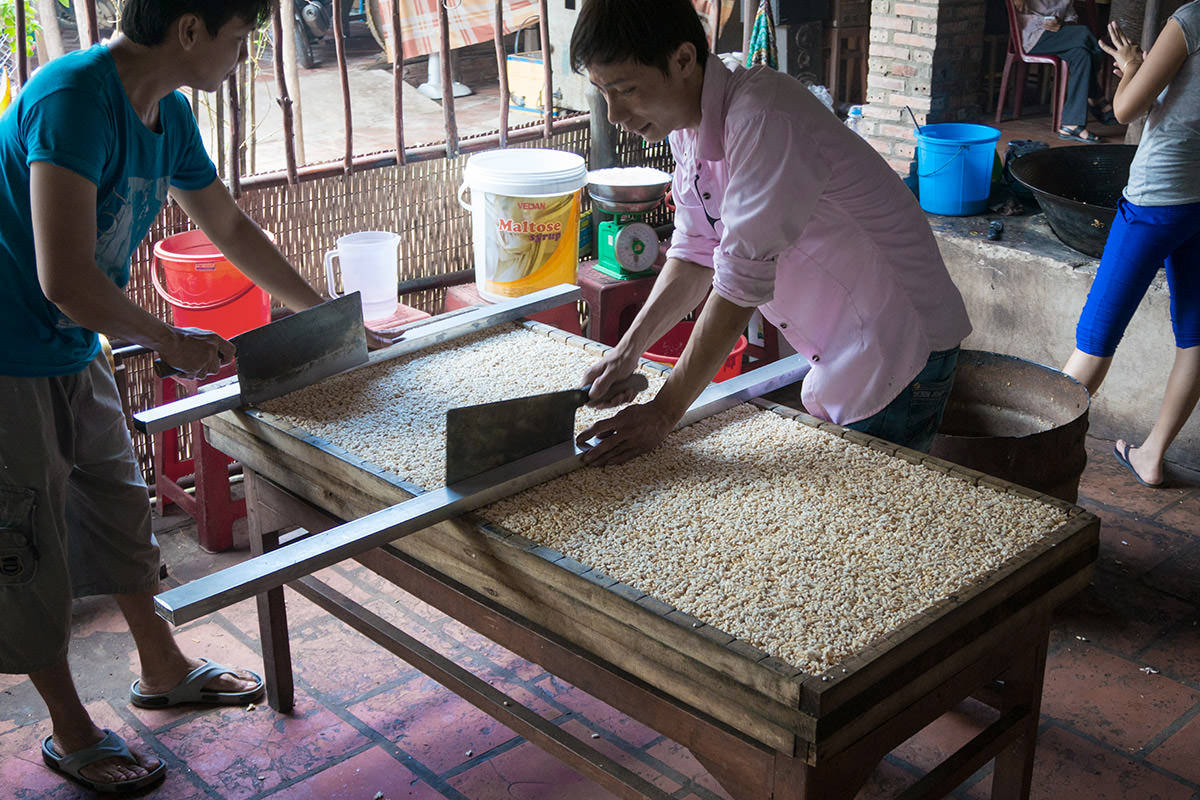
626, 246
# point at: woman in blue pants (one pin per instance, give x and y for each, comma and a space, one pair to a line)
1157, 225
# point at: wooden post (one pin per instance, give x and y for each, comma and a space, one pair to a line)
219, 103
502, 67
602, 151
398, 82
51, 33
264, 527
280, 31
447, 81
548, 94
93, 25
339, 44
22, 57
233, 165
290, 66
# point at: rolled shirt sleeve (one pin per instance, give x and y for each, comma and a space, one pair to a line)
776, 177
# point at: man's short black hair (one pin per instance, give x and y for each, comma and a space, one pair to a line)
147, 21
645, 31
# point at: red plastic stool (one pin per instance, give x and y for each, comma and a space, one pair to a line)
564, 317
612, 303
212, 506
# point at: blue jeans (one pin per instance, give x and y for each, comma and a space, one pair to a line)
1075, 45
1144, 239
912, 419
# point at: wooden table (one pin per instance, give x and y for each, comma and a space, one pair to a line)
761, 727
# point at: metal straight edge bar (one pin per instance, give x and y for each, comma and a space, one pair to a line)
454, 325
229, 397
304, 557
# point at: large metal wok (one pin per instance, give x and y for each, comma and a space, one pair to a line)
1078, 188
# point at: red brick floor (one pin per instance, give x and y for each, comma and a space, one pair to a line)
1120, 720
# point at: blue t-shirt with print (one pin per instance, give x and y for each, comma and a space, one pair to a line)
74, 113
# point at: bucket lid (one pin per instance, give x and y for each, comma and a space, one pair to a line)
525, 171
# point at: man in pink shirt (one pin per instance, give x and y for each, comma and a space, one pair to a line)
779, 207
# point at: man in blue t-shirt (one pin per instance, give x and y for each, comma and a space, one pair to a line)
89, 151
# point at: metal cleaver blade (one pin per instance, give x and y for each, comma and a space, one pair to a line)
301, 349
483, 437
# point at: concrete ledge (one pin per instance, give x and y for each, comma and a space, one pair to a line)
1024, 294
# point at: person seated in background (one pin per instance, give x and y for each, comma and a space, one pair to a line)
1050, 28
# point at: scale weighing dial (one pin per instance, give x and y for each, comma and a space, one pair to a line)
636, 247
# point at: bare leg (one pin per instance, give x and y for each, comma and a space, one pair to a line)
74, 729
163, 664
1182, 392
1088, 369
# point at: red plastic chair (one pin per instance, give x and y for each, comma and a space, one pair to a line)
1021, 60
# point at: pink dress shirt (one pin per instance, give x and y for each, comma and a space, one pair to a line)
800, 217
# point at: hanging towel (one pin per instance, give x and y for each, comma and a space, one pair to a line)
762, 38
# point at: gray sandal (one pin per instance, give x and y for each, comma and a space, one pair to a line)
111, 746
191, 689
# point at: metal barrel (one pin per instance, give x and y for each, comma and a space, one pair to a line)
1017, 420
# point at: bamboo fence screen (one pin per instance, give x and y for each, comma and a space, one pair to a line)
417, 200
411, 191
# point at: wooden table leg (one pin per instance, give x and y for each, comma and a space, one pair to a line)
264, 526
1012, 777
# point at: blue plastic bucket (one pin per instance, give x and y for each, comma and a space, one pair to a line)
954, 167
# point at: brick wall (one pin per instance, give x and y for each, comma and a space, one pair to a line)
927, 55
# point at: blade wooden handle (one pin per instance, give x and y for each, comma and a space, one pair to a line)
164, 370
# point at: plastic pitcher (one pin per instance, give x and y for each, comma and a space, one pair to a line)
369, 266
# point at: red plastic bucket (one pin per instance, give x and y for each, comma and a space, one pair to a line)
204, 289
669, 348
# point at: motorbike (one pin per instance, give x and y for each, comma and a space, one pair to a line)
314, 19
108, 14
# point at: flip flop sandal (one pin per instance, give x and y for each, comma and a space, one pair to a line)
191, 689
1123, 460
112, 745
1077, 133
1105, 115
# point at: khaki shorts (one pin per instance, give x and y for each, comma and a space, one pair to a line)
74, 510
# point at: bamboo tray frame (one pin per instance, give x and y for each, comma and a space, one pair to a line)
748, 715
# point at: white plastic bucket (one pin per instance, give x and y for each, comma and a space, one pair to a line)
369, 266
524, 218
